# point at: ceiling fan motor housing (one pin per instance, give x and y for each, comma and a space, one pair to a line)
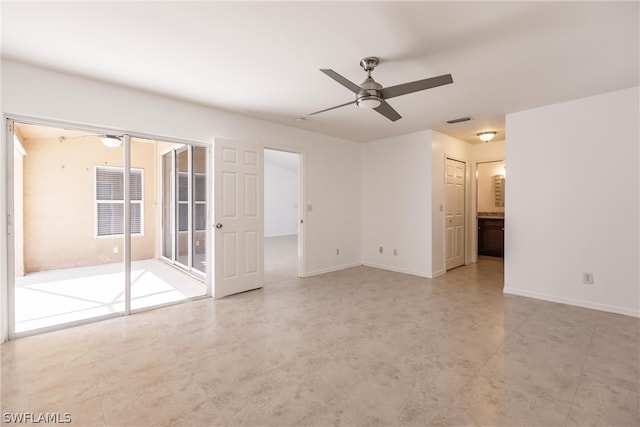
368, 96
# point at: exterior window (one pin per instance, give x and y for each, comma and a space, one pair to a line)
110, 201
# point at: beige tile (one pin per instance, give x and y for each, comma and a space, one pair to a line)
452, 416
270, 399
552, 377
619, 374
332, 415
439, 376
113, 372
153, 400
201, 414
382, 400
598, 403
495, 403
87, 413
84, 413
355, 347
48, 388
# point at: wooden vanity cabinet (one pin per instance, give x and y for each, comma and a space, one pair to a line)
491, 237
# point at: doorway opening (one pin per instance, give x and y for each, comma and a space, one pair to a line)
490, 184
88, 236
282, 215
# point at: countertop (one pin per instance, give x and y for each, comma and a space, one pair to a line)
490, 215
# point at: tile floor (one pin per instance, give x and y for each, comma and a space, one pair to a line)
356, 347
55, 297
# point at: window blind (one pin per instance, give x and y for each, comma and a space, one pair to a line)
110, 201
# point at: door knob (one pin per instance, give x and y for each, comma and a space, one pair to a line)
218, 226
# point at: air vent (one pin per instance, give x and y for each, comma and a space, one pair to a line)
461, 119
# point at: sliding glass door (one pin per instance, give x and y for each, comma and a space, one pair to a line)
161, 281
67, 263
95, 220
184, 207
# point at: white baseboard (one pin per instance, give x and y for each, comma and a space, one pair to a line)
571, 301
332, 269
438, 273
401, 270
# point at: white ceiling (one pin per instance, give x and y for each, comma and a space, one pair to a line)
261, 59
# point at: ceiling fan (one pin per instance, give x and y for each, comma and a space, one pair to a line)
371, 94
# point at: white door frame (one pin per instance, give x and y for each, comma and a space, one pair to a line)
8, 262
302, 271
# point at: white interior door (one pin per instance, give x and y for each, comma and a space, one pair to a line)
455, 218
239, 219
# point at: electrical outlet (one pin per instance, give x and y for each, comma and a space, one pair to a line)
115, 250
587, 278
380, 250
395, 252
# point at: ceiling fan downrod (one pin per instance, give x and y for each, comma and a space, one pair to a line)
368, 96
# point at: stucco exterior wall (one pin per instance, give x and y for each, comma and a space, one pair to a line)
59, 203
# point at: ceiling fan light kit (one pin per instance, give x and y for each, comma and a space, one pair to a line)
371, 95
487, 135
369, 101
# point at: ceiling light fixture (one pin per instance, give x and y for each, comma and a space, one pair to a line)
487, 135
111, 141
369, 102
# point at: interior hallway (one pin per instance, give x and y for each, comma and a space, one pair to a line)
353, 347
280, 259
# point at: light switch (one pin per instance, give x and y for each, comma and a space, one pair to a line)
309, 207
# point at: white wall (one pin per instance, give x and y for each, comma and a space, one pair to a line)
334, 191
280, 193
443, 146
396, 203
488, 152
403, 201
572, 202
